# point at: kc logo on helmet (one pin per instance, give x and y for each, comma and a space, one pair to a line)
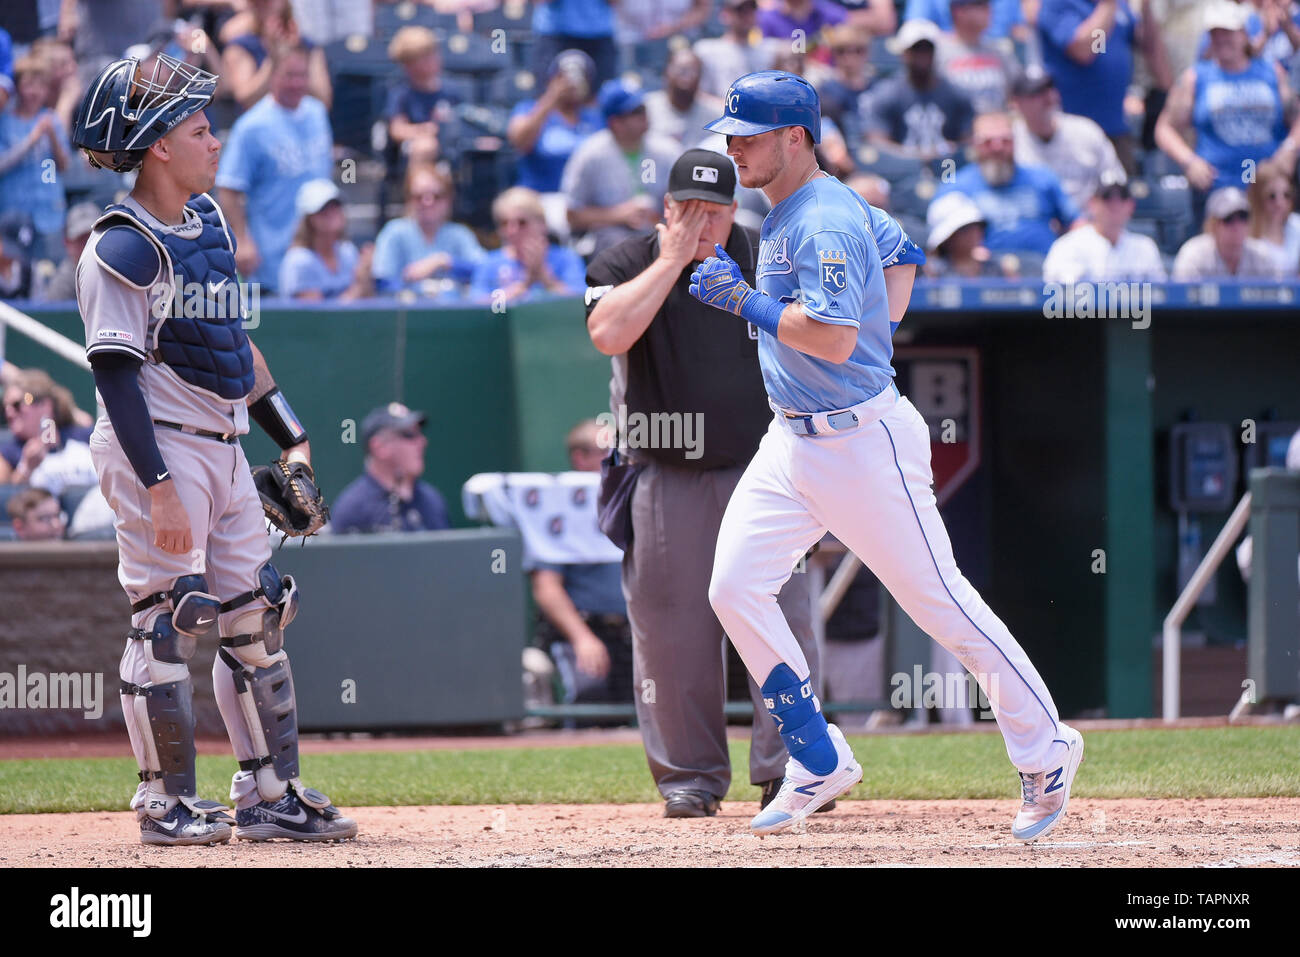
733, 101
704, 174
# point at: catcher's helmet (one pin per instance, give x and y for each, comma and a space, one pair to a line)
770, 100
123, 112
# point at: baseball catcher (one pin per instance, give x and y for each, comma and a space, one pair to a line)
179, 380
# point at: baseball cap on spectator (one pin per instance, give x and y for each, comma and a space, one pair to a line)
913, 32
620, 96
313, 196
949, 213
733, 4
81, 219
1031, 83
1225, 15
1113, 183
392, 416
702, 174
17, 236
1225, 201
572, 60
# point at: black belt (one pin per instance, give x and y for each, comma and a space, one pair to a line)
228, 437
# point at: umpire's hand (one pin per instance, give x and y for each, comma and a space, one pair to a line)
171, 523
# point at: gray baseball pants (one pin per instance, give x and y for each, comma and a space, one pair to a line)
679, 647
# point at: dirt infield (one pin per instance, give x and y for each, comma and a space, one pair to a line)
1097, 833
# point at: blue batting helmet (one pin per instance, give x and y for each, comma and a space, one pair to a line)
123, 112
770, 100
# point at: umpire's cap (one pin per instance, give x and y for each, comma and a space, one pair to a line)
123, 113
770, 100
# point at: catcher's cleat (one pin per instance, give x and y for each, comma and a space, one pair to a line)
206, 824
803, 792
293, 819
1046, 795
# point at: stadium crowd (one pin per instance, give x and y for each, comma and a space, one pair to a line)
460, 150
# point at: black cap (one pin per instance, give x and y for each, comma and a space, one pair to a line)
1113, 183
703, 174
391, 416
1031, 83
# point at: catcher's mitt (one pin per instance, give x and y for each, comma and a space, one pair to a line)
290, 498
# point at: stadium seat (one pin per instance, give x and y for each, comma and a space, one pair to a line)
891, 166
510, 87
515, 17
884, 60
360, 71
911, 197
471, 54
71, 498
391, 17
6, 493
1031, 261
1165, 201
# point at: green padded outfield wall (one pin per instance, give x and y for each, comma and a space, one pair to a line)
1076, 417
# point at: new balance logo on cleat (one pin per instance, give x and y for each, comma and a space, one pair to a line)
809, 789
1055, 778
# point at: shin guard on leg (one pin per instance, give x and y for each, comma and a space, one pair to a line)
799, 720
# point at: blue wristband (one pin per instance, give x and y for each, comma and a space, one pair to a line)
893, 328
763, 311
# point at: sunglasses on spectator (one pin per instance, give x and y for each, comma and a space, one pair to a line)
985, 141
515, 221
429, 194
746, 7
1238, 217
409, 434
849, 51
27, 399
55, 518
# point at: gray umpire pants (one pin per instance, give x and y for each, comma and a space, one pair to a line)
679, 647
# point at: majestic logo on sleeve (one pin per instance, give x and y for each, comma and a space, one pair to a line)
774, 257
834, 267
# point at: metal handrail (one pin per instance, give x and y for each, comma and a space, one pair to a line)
1173, 625
42, 334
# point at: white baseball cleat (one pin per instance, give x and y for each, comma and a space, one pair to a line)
803, 792
1047, 793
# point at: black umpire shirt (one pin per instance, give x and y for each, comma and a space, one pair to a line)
692, 358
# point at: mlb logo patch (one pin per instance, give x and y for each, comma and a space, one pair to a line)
704, 174
834, 269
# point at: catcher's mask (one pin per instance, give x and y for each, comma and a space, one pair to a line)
124, 112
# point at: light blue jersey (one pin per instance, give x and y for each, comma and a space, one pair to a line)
826, 247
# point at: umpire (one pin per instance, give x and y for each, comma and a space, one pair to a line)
673, 355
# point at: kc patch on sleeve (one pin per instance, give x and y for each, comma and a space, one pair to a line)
834, 267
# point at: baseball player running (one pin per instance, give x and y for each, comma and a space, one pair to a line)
845, 452
179, 380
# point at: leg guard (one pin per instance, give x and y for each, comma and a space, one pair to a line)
165, 714
267, 703
799, 720
157, 693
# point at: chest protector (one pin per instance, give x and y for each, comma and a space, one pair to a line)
200, 334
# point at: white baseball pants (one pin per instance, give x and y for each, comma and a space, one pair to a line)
871, 487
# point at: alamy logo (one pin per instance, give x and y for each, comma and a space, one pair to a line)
37, 691
78, 910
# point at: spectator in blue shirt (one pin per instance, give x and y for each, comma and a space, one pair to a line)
253, 41
1235, 105
1024, 206
6, 67
1088, 50
1008, 18
586, 25
321, 263
527, 263
32, 138
277, 146
421, 104
422, 251
546, 131
389, 495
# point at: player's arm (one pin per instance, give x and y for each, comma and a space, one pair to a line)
900, 258
268, 407
815, 337
621, 314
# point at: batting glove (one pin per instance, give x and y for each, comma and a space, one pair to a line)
718, 282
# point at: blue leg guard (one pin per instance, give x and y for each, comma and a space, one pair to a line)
799, 720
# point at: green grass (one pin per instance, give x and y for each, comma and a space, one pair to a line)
1195, 763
